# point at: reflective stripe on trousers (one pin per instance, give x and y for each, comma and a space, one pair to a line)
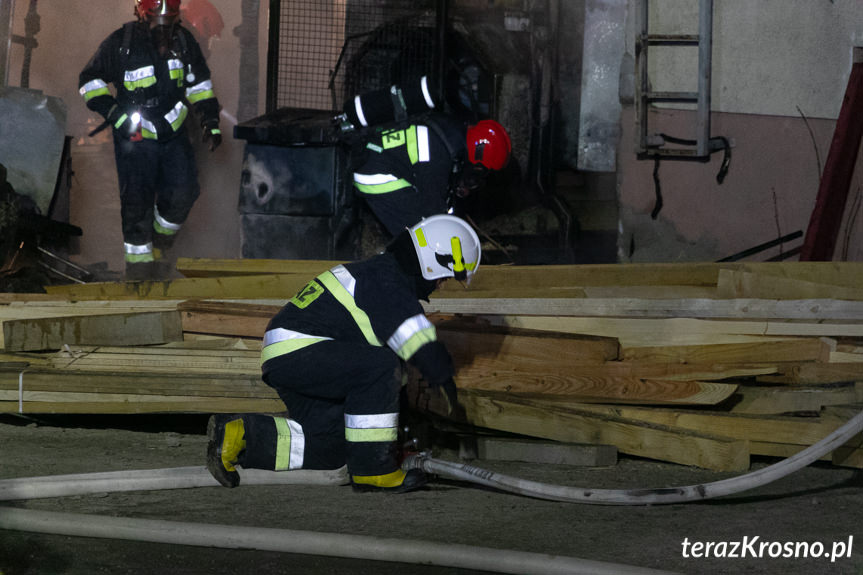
291, 444
382, 427
279, 341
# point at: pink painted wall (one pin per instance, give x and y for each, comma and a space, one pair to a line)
769, 191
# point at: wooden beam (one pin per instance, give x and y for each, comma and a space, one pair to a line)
634, 331
226, 318
554, 384
807, 310
632, 437
772, 351
744, 284
143, 328
766, 428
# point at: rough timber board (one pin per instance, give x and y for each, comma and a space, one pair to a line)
115, 329
809, 310
570, 385
634, 438
849, 274
634, 331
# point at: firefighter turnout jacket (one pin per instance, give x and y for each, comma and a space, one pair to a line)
371, 302
333, 353
159, 89
407, 171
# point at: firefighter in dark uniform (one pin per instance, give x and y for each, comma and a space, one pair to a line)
158, 73
334, 354
414, 172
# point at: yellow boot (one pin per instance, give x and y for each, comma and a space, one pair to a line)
226, 441
396, 482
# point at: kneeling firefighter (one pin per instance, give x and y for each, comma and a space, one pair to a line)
335, 353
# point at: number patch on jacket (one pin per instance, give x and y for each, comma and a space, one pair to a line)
393, 139
307, 295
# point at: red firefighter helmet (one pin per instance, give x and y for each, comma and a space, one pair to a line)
488, 144
160, 12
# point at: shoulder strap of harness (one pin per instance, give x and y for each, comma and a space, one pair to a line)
126, 46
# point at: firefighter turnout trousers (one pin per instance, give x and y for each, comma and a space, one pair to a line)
158, 187
343, 407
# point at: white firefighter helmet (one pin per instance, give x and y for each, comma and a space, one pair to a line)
447, 247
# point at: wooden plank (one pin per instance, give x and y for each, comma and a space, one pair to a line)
754, 399
766, 428
744, 284
691, 274
226, 318
791, 350
209, 385
633, 331
120, 329
814, 373
211, 267
808, 310
183, 405
467, 341
631, 437
566, 384
282, 286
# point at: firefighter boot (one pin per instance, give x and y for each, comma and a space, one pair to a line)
138, 271
226, 442
165, 259
396, 482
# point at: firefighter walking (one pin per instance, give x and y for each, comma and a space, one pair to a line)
335, 353
158, 73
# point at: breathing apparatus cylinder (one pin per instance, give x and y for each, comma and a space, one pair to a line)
388, 104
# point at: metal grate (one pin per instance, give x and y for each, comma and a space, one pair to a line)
324, 51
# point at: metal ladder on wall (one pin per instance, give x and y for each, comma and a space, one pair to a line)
651, 144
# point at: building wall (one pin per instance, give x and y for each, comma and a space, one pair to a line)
780, 71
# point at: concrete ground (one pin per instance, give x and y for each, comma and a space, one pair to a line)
817, 506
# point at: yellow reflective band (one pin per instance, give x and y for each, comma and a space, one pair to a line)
287, 346
371, 435
393, 479
416, 341
160, 229
458, 258
120, 121
399, 184
290, 444
347, 300
177, 116
421, 238
139, 258
413, 153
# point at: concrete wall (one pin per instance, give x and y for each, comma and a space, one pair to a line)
780, 70
71, 30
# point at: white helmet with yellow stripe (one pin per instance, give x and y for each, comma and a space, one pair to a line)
447, 247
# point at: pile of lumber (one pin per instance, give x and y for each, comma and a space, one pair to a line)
698, 364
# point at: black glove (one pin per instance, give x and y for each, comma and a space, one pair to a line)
212, 134
450, 394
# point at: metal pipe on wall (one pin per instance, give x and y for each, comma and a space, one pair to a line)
7, 8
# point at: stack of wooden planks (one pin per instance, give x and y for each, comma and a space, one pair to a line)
698, 364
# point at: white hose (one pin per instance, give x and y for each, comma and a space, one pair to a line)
642, 496
151, 479
309, 543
